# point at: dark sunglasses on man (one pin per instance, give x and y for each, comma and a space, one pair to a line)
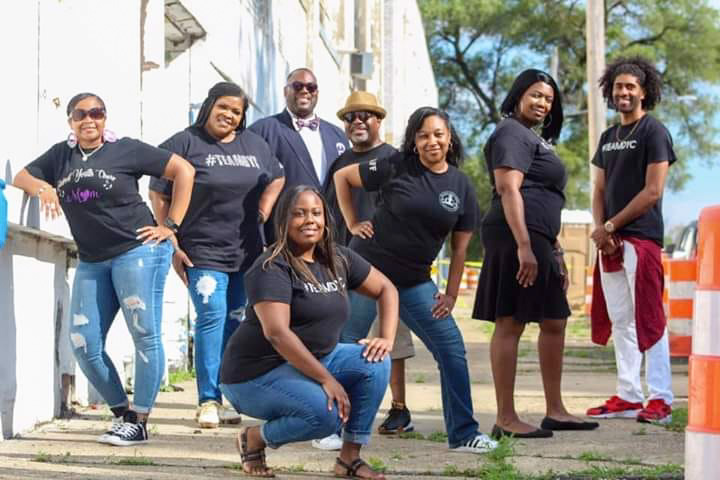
350, 117
298, 86
96, 113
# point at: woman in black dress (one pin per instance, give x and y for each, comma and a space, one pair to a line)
524, 278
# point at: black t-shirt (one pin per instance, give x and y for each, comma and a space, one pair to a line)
417, 210
364, 202
317, 315
513, 145
220, 230
624, 153
100, 195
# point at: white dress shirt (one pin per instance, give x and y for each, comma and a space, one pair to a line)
314, 144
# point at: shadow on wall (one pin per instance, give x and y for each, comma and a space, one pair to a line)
8, 347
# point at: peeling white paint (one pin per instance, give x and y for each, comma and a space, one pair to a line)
143, 356
134, 302
238, 314
140, 263
205, 287
78, 341
80, 319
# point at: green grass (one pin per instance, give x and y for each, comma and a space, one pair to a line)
420, 378
180, 376
137, 460
594, 353
593, 457
42, 457
616, 473
504, 450
440, 437
293, 468
377, 464
411, 436
679, 420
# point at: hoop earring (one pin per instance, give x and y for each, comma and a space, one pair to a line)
415, 150
548, 121
326, 232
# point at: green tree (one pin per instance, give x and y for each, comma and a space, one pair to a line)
478, 47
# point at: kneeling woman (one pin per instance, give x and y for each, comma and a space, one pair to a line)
284, 363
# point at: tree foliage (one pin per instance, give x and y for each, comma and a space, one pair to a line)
479, 46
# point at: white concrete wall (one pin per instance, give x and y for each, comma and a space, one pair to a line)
53, 49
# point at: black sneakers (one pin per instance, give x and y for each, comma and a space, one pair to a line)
397, 421
130, 432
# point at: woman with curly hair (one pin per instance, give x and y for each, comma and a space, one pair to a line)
630, 166
524, 278
424, 197
284, 363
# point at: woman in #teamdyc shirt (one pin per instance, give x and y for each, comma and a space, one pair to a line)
237, 180
423, 198
524, 278
124, 256
284, 363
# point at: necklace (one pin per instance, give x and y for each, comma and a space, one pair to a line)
85, 155
617, 132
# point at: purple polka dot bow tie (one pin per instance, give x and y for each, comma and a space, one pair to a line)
311, 124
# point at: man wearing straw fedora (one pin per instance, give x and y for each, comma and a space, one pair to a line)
362, 117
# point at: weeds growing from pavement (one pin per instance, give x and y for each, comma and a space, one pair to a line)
679, 420
377, 464
440, 437
411, 436
42, 457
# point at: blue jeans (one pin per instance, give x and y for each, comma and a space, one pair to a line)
442, 337
133, 281
219, 300
295, 406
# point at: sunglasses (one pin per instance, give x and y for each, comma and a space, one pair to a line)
362, 116
298, 86
96, 113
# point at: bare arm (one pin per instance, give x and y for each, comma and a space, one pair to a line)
345, 179
507, 184
275, 321
49, 202
269, 197
377, 286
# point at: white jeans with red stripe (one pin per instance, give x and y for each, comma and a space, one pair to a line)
619, 290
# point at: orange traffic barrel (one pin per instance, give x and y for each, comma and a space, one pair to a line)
472, 275
681, 295
702, 435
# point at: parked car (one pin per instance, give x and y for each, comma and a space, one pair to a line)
686, 245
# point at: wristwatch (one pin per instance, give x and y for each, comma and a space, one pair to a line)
609, 227
170, 223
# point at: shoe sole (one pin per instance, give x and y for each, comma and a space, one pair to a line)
472, 450
662, 421
406, 429
623, 414
208, 425
104, 439
324, 448
118, 442
231, 421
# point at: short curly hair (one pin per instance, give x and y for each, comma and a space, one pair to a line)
648, 77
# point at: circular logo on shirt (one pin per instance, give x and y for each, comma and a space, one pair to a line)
449, 201
340, 148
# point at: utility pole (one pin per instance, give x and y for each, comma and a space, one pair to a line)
595, 43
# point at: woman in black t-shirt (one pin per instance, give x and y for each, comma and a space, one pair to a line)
124, 255
284, 363
237, 180
524, 278
423, 198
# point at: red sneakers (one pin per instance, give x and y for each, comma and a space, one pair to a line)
657, 411
616, 407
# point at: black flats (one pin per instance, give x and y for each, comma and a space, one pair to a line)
552, 424
498, 432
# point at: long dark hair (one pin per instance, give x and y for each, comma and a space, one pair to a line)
647, 75
456, 152
326, 252
551, 131
222, 89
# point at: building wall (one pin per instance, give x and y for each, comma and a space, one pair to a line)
53, 49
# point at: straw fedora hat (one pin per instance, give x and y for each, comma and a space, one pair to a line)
361, 102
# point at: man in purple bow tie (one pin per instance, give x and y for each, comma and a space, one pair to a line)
305, 144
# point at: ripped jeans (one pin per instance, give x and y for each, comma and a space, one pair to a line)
133, 281
219, 300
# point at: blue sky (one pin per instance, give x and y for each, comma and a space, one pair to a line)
700, 191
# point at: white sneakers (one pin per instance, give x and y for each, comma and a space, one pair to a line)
332, 442
211, 414
481, 443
